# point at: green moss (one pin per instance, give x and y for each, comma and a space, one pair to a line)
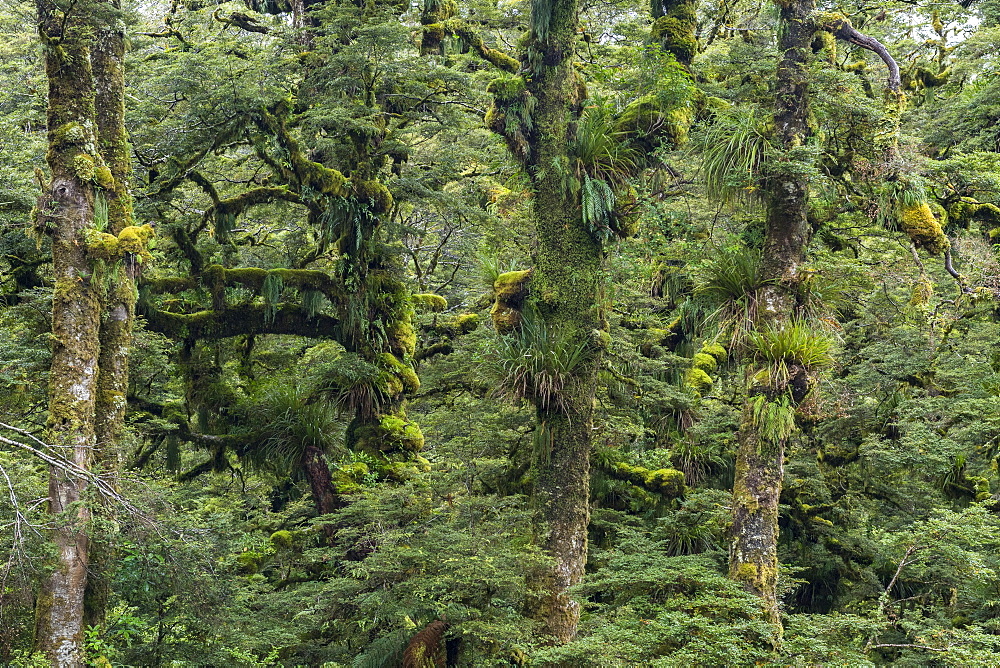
824, 42
281, 539
400, 370
510, 289
923, 290
403, 337
84, 167
964, 213
698, 380
249, 562
648, 123
374, 194
430, 302
676, 36
466, 322
103, 177
666, 482
434, 32
512, 284
102, 246
923, 229
715, 350
70, 133
705, 362
391, 433
507, 88
135, 239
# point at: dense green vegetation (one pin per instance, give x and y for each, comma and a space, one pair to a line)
548, 333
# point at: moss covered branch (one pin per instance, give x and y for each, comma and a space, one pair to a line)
243, 321
461, 29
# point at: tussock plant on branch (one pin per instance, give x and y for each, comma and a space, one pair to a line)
536, 363
734, 149
733, 281
286, 422
787, 354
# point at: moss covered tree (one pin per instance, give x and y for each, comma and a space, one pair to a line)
73, 212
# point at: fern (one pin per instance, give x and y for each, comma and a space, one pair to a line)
100, 212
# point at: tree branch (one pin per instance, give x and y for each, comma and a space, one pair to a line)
841, 28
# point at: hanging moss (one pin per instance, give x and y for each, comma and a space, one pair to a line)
923, 229
430, 302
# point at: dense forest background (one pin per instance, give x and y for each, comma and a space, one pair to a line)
548, 332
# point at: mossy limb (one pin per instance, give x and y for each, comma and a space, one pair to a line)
923, 229
430, 302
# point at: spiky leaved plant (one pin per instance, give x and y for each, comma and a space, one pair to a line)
536, 362
734, 282
734, 150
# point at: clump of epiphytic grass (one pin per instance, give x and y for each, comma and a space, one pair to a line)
537, 362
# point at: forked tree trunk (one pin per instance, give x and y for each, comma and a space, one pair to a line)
753, 555
65, 212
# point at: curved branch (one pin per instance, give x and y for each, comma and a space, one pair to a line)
841, 28
463, 30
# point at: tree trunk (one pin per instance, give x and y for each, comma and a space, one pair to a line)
324, 494
66, 212
753, 555
108, 59
566, 289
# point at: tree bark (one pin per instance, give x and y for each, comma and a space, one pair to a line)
566, 288
108, 57
753, 554
66, 212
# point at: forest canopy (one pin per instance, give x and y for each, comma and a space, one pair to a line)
520, 333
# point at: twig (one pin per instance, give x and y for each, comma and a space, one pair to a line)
71, 468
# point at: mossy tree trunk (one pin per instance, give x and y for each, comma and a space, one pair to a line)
566, 290
66, 213
753, 556
108, 57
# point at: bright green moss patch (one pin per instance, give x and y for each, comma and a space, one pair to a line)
923, 229
430, 302
705, 362
698, 380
